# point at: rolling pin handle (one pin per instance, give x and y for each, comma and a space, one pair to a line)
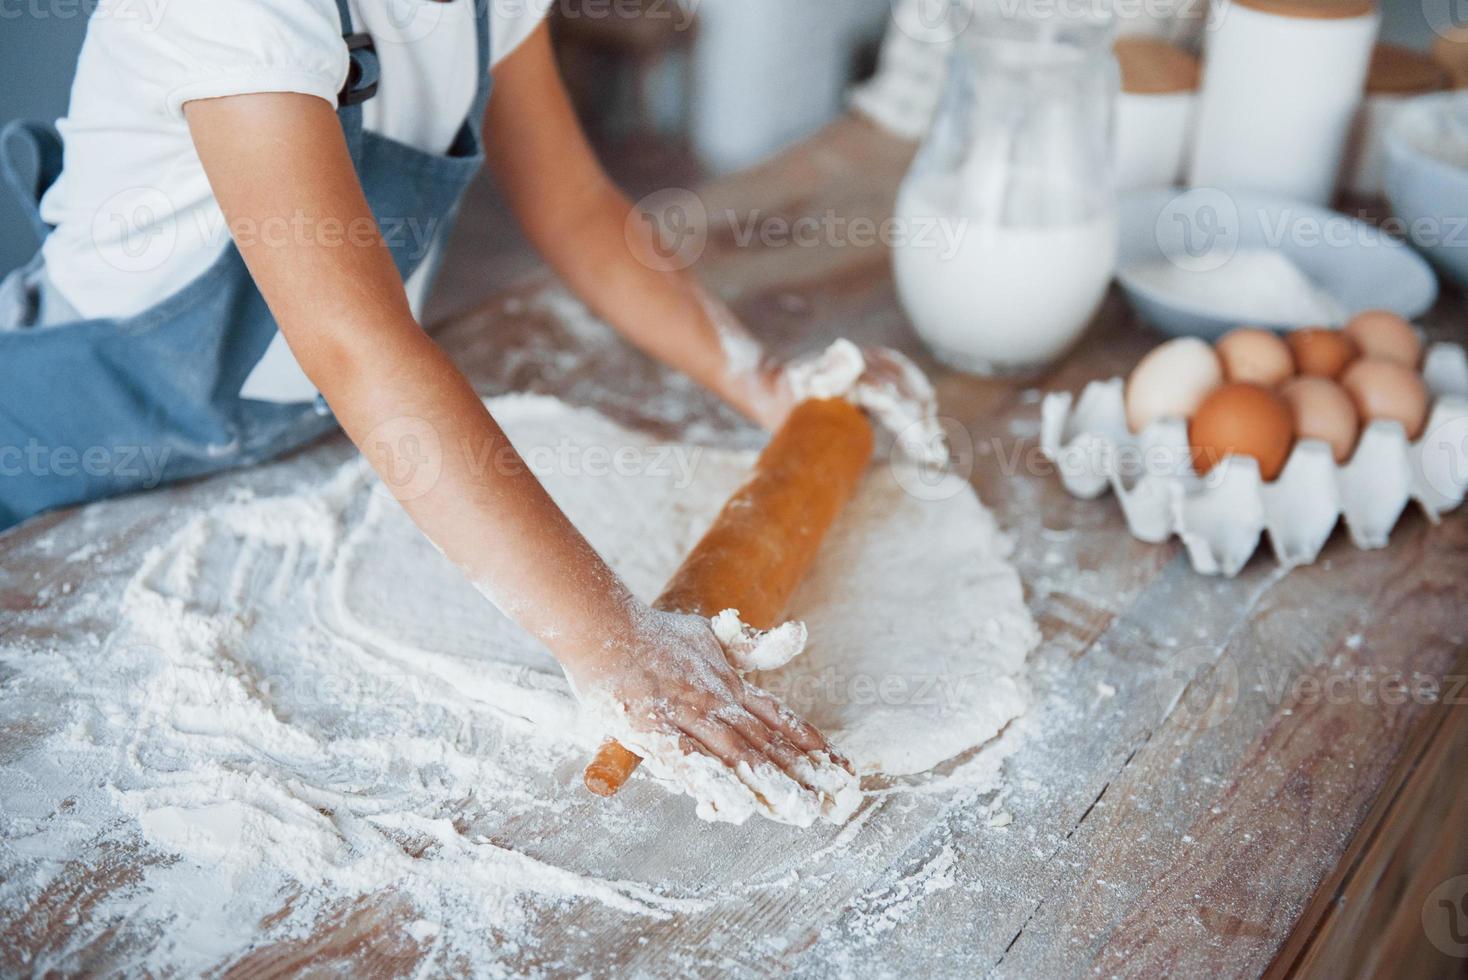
610, 769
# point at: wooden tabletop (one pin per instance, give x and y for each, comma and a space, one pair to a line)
1222, 776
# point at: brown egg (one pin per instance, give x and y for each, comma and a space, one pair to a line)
1242, 420
1387, 390
1385, 336
1254, 355
1323, 411
1322, 352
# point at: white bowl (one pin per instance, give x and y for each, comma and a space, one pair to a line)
1359, 266
1426, 177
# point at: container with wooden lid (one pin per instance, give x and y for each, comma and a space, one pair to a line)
1450, 50
1154, 113
1282, 80
1396, 75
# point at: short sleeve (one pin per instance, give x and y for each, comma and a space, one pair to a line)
510, 23
193, 49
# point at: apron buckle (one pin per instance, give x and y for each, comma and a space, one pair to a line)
363, 75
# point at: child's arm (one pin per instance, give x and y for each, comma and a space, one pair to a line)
577, 219
280, 161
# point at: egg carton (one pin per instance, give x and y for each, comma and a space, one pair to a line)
1221, 515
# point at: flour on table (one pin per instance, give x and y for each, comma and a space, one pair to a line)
296, 703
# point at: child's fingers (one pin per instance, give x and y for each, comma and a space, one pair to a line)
774, 746
780, 718
721, 741
802, 733
761, 773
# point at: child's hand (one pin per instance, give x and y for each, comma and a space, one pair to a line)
892, 389
884, 382
669, 691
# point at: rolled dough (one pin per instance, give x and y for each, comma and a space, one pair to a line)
296, 702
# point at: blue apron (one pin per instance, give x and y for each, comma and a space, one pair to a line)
100, 407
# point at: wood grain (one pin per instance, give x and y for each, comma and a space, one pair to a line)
1189, 799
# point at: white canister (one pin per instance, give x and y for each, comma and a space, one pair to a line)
1154, 112
767, 72
1396, 75
1282, 80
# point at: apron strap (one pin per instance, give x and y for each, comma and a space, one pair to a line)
362, 75
366, 72
484, 82
41, 144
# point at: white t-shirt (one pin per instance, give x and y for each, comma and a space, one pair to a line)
134, 217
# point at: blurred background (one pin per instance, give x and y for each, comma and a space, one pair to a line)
672, 91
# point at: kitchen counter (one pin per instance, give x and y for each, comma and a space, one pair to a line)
1222, 777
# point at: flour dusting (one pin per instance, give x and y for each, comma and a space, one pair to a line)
887, 385
752, 649
295, 709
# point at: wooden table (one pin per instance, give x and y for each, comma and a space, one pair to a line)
1224, 777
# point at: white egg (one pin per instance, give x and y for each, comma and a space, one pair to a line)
1171, 381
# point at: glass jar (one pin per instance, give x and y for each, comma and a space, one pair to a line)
1008, 212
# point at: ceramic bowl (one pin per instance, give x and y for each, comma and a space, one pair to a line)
1426, 177
1358, 266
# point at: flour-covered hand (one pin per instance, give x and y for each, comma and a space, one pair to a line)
669, 691
884, 382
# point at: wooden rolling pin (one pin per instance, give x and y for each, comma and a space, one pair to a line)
765, 538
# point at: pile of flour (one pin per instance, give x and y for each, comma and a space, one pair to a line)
1255, 285
303, 704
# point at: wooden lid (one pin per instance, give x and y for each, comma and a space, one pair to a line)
1450, 51
1396, 70
1151, 66
1319, 9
